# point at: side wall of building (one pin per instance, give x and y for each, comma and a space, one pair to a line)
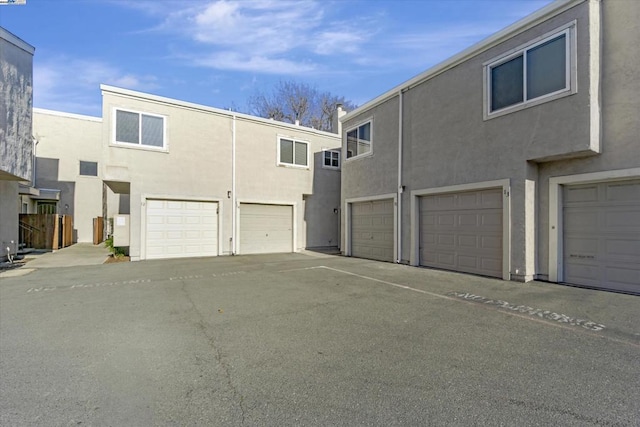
62, 142
16, 100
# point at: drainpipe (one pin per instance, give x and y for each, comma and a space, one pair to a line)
233, 186
400, 187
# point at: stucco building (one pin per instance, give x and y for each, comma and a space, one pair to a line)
16, 143
191, 180
518, 158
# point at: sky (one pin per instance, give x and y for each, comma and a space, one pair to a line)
221, 52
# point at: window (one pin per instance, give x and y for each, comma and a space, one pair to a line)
331, 159
88, 168
292, 152
47, 207
139, 129
530, 75
359, 140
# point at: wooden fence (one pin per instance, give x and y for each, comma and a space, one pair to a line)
46, 231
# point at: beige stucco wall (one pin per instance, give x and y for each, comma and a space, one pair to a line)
447, 140
198, 165
63, 140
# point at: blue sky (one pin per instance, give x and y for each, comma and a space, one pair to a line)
218, 53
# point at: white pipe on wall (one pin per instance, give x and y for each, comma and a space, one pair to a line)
400, 188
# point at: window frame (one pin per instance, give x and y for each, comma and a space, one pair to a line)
294, 141
357, 126
332, 151
87, 162
569, 32
139, 145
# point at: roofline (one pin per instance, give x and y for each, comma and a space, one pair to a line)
69, 115
516, 28
16, 41
184, 104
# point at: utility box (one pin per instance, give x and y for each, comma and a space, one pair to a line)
121, 230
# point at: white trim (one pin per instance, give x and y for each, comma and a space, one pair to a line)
505, 184
294, 219
595, 61
203, 108
113, 142
355, 127
519, 27
69, 115
347, 219
143, 216
569, 32
294, 140
332, 150
556, 267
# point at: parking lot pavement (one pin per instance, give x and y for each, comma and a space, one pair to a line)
311, 340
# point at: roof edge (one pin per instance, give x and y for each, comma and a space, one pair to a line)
516, 28
184, 104
65, 114
16, 41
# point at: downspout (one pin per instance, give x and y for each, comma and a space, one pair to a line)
400, 187
233, 186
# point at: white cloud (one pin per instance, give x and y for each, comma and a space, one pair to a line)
73, 85
264, 36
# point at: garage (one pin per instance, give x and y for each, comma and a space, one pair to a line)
265, 228
181, 228
372, 230
462, 231
601, 235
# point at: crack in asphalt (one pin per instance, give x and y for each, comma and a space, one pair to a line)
217, 354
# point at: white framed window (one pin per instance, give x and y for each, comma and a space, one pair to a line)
331, 159
538, 72
359, 140
139, 129
292, 152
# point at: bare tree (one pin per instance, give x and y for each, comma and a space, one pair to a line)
290, 101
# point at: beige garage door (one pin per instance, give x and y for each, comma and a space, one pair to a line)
372, 230
462, 231
601, 229
265, 228
181, 228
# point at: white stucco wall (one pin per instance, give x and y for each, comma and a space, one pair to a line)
197, 164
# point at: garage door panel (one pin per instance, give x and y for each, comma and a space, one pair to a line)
372, 225
491, 242
468, 231
179, 228
601, 237
467, 241
582, 194
625, 192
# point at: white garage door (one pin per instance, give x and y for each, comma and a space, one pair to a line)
372, 230
181, 228
602, 235
265, 228
462, 231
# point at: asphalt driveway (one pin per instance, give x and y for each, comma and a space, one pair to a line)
298, 339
